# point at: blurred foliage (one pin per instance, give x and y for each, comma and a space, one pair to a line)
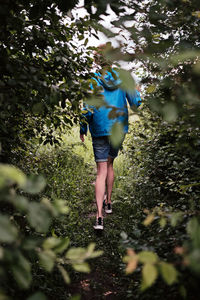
163, 183
152, 266
163, 40
42, 82
30, 243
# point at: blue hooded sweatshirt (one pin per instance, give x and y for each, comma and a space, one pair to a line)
101, 120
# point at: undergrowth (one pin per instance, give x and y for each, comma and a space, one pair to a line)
70, 173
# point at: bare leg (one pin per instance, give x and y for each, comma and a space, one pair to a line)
100, 186
110, 178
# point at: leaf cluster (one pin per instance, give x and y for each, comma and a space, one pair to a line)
31, 245
41, 69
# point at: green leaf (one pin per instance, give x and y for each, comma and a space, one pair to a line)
183, 188
49, 206
156, 37
96, 102
8, 232
76, 254
82, 267
117, 134
151, 89
124, 235
196, 68
193, 229
31, 243
1, 253
22, 278
128, 83
62, 246
90, 248
23, 262
10, 174
47, 259
175, 218
22, 271
183, 56
148, 257
57, 244
163, 222
149, 275
51, 242
86, 42
64, 274
21, 203
37, 296
38, 217
35, 184
168, 273
60, 206
91, 253
96, 254
194, 258
183, 291
170, 112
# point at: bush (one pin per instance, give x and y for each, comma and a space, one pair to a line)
163, 187
33, 206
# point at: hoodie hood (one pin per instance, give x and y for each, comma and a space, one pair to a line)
110, 81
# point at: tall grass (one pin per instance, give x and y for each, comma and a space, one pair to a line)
72, 140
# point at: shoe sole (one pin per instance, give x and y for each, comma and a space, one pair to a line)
108, 211
98, 227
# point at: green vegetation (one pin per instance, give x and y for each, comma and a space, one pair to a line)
149, 217
150, 248
39, 218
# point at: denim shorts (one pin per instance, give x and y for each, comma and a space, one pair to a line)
103, 149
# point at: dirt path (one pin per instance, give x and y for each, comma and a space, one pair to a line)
97, 285
105, 280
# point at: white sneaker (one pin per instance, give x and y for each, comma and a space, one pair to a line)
99, 224
108, 208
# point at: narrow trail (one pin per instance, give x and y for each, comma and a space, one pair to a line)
104, 280
107, 279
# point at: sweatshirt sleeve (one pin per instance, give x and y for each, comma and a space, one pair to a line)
85, 119
134, 98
